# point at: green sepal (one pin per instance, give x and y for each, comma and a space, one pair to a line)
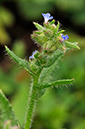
20, 61
57, 28
52, 22
47, 25
37, 32
72, 45
48, 33
55, 83
38, 26
6, 110
61, 31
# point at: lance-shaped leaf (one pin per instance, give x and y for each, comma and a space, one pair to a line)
48, 75
6, 110
55, 83
38, 26
52, 58
72, 45
20, 61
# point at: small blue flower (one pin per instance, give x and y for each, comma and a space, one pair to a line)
32, 56
47, 17
65, 37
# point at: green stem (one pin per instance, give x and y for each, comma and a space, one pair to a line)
32, 101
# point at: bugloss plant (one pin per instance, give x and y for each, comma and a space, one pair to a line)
42, 66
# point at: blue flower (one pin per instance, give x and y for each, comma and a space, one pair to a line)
47, 17
65, 37
32, 56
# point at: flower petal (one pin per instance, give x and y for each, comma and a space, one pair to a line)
47, 17
32, 56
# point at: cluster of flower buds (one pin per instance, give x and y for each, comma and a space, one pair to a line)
50, 38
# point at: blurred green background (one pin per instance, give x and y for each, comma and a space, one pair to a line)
59, 108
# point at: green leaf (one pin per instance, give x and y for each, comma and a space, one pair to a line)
55, 83
38, 26
20, 61
20, 100
52, 58
48, 75
6, 110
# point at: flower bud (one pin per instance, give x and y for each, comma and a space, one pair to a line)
48, 33
41, 39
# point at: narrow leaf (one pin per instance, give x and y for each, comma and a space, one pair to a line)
57, 28
6, 110
20, 61
48, 74
55, 83
38, 26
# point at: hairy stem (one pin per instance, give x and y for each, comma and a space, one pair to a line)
32, 101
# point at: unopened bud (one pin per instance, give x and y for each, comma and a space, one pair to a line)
48, 33
53, 25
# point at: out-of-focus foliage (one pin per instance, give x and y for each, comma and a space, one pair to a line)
20, 101
8, 82
19, 48
31, 9
80, 39
6, 20
75, 8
